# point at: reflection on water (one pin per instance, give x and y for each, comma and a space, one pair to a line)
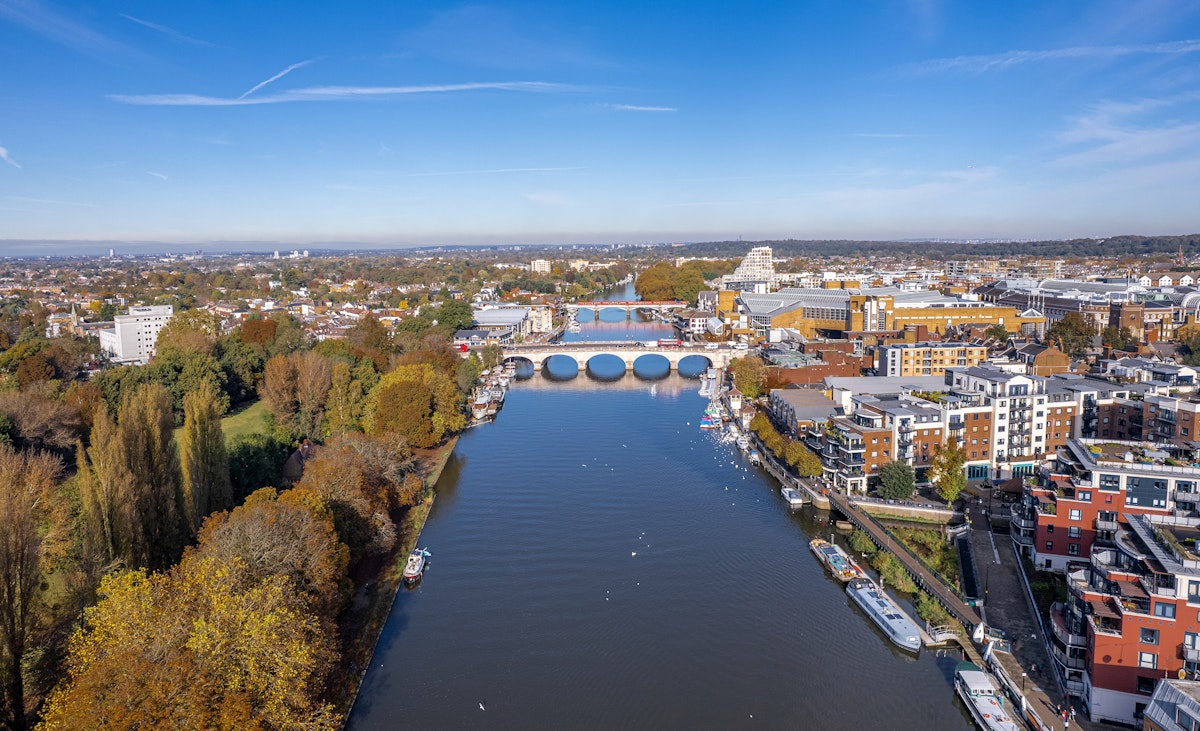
600, 562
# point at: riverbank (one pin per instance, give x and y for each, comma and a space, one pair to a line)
376, 581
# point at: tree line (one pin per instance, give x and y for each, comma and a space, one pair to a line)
154, 575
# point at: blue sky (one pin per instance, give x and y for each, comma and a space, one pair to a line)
416, 123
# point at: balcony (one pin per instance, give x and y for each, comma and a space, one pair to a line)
1133, 605
1058, 622
1190, 654
1109, 525
1063, 659
1021, 520
1022, 539
906, 429
854, 446
1188, 495
852, 460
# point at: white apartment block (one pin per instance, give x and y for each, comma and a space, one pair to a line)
133, 337
539, 266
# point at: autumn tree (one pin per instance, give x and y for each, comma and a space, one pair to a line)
418, 402
203, 460
279, 387
748, 376
946, 470
130, 489
25, 483
802, 459
896, 481
997, 332
344, 404
192, 330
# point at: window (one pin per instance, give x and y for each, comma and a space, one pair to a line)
1110, 482
1074, 531
1049, 545
1162, 609
1076, 514
1149, 636
1073, 549
1145, 685
1050, 528
1147, 660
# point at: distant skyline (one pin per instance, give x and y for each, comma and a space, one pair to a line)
556, 123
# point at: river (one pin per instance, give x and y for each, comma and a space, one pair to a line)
599, 562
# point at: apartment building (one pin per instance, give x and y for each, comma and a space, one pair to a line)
134, 335
927, 359
1130, 619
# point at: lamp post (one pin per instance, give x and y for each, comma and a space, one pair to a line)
1023, 676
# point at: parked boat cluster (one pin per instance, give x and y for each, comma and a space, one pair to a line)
488, 396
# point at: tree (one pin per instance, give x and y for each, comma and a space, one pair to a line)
25, 482
802, 459
279, 388
312, 387
131, 491
1075, 331
896, 480
997, 332
343, 406
491, 355
455, 315
33, 369
946, 470
417, 401
203, 459
1118, 338
748, 376
655, 283
190, 331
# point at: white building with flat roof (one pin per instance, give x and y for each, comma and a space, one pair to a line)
133, 337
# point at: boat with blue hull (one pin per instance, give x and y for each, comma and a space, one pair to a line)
884, 613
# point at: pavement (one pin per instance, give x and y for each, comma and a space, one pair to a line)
1007, 608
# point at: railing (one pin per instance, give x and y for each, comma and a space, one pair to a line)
1106, 524
1020, 520
1153, 590
1190, 654
1022, 539
1187, 496
1062, 658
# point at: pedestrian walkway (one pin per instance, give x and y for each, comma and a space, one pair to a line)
924, 578
1007, 608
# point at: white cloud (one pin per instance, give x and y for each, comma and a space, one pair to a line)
174, 34
160, 176
7, 158
638, 108
331, 93
276, 77
1009, 59
548, 198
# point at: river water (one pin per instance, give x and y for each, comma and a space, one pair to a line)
599, 562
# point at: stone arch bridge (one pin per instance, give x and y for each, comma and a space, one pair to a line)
582, 352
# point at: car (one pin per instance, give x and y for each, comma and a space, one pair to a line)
740, 346
710, 346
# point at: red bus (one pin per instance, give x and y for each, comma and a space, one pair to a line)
669, 342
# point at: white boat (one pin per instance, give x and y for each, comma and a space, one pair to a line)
755, 457
836, 560
743, 443
978, 691
884, 613
415, 568
794, 497
479, 407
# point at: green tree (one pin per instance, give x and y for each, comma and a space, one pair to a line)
997, 332
343, 407
749, 373
1075, 331
946, 470
491, 355
455, 315
1118, 338
203, 459
687, 283
655, 283
419, 402
896, 480
190, 331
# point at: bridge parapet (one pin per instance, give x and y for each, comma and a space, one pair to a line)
583, 352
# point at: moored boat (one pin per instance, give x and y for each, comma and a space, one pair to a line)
479, 406
755, 457
708, 422
794, 497
415, 568
978, 691
835, 559
743, 443
884, 613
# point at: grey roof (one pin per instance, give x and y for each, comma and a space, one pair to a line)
885, 384
501, 316
805, 403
